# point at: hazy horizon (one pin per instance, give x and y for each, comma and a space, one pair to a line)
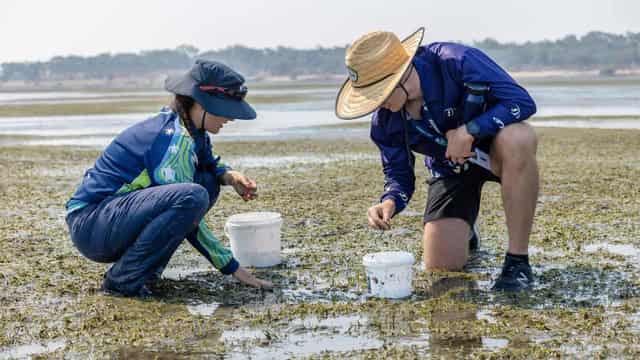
86, 28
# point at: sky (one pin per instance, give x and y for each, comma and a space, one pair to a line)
33, 30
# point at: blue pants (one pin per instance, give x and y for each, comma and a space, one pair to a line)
141, 230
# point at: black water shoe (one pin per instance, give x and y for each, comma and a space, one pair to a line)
110, 288
516, 274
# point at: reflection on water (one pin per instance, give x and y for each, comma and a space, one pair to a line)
302, 337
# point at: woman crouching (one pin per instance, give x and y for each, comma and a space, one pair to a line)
152, 186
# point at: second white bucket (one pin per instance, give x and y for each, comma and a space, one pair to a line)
255, 238
389, 274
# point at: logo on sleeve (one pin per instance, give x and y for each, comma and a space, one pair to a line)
449, 112
498, 122
515, 111
168, 173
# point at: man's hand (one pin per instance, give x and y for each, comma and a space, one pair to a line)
459, 145
379, 216
243, 185
247, 278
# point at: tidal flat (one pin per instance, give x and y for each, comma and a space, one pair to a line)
585, 251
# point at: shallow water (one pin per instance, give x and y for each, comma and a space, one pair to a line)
583, 106
619, 249
26, 97
203, 309
302, 337
591, 124
29, 350
98, 130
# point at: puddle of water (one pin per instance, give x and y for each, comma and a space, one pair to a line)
411, 213
279, 161
26, 351
242, 335
485, 314
179, 273
310, 344
534, 250
303, 337
320, 295
343, 323
203, 309
494, 343
618, 249
635, 321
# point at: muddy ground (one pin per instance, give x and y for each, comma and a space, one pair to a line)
585, 249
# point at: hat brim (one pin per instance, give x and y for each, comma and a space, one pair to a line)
220, 106
223, 106
352, 103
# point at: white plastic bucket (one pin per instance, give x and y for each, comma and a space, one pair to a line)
255, 238
389, 274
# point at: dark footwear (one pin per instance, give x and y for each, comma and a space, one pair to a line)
474, 242
111, 288
516, 275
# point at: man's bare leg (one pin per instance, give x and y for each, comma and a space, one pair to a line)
446, 244
513, 158
515, 163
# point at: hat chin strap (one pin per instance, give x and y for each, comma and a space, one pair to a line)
204, 115
406, 93
402, 81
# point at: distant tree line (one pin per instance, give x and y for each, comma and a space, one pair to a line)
595, 50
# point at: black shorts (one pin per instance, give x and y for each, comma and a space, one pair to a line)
457, 196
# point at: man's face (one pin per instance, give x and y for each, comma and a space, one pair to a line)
396, 100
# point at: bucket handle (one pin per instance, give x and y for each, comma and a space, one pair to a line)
226, 231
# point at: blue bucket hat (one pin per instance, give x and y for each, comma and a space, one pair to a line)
216, 87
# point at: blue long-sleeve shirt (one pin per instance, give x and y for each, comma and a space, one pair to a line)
444, 69
155, 152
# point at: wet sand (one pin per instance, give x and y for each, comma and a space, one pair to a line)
585, 252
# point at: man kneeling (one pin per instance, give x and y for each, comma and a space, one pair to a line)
460, 109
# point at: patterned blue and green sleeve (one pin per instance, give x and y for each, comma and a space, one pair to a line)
218, 255
178, 165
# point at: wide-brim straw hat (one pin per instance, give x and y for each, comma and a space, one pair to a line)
375, 63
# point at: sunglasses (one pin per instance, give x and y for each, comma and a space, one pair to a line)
238, 93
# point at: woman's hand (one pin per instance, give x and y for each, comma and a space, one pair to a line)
243, 185
247, 278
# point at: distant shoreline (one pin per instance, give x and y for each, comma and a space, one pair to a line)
155, 81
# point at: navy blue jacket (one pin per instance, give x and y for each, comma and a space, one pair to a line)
154, 152
444, 69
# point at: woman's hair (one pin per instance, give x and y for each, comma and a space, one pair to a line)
182, 105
